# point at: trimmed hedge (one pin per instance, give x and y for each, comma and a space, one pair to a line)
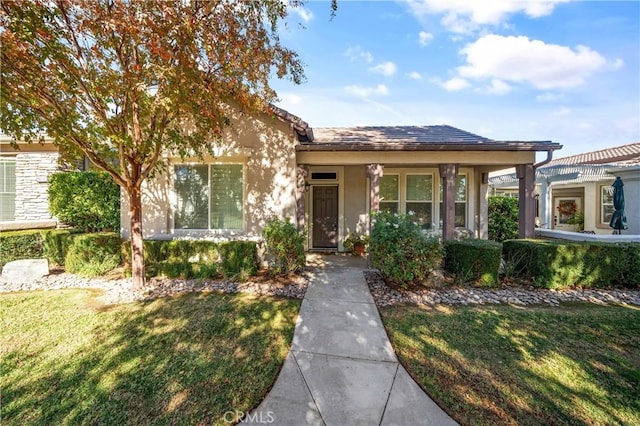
197, 259
92, 255
35, 244
479, 260
560, 264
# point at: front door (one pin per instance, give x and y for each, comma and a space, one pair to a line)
325, 217
564, 209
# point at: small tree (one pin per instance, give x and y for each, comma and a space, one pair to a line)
123, 82
503, 218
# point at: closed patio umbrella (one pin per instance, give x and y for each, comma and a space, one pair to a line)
618, 220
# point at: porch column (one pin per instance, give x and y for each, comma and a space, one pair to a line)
448, 173
301, 179
483, 206
526, 214
374, 173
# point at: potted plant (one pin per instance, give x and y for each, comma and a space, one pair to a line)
356, 243
577, 219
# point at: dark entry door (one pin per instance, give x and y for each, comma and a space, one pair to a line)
325, 216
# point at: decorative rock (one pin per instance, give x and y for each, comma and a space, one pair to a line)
25, 270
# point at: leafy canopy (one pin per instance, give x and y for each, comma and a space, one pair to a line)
122, 81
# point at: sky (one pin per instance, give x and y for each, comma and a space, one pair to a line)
526, 70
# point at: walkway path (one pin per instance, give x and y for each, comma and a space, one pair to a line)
341, 369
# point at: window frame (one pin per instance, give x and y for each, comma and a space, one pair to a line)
4, 161
209, 227
398, 192
430, 202
602, 214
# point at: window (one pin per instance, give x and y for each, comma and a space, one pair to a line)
209, 196
606, 204
7, 188
461, 201
419, 198
389, 189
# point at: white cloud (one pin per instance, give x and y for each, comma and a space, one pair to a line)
465, 16
355, 53
497, 87
562, 111
365, 92
549, 97
305, 14
424, 38
519, 59
291, 98
385, 68
455, 84
414, 75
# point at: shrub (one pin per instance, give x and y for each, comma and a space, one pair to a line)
88, 201
197, 259
400, 250
238, 259
34, 244
93, 255
559, 264
503, 218
20, 245
285, 246
478, 260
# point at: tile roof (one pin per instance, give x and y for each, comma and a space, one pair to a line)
395, 134
622, 155
411, 138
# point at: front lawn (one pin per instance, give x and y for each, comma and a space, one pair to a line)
506, 365
66, 359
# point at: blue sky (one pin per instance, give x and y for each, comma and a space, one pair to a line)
566, 71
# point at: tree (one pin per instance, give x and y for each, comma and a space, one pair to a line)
122, 82
503, 218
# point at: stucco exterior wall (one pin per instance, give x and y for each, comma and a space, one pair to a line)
265, 147
32, 174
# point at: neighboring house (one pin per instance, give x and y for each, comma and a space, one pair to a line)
24, 174
330, 180
583, 183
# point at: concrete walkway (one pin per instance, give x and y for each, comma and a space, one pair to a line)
341, 369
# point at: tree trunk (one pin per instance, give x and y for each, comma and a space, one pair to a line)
137, 248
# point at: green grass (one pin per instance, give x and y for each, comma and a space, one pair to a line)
65, 359
574, 365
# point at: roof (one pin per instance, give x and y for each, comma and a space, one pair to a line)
623, 155
408, 138
305, 133
586, 167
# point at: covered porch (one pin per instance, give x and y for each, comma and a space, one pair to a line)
344, 175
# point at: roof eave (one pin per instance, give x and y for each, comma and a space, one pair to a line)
450, 146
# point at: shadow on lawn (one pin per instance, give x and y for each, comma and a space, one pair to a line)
182, 360
540, 366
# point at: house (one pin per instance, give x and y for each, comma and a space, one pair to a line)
24, 175
329, 180
582, 183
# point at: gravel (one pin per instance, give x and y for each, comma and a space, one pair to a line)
386, 296
121, 291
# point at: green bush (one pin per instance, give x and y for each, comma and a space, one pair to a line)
197, 259
558, 264
479, 260
93, 255
88, 201
285, 246
503, 218
400, 250
20, 245
34, 244
238, 259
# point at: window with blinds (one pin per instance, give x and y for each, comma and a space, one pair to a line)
209, 196
419, 199
7, 188
389, 189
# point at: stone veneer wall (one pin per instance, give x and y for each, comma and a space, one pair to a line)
32, 174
